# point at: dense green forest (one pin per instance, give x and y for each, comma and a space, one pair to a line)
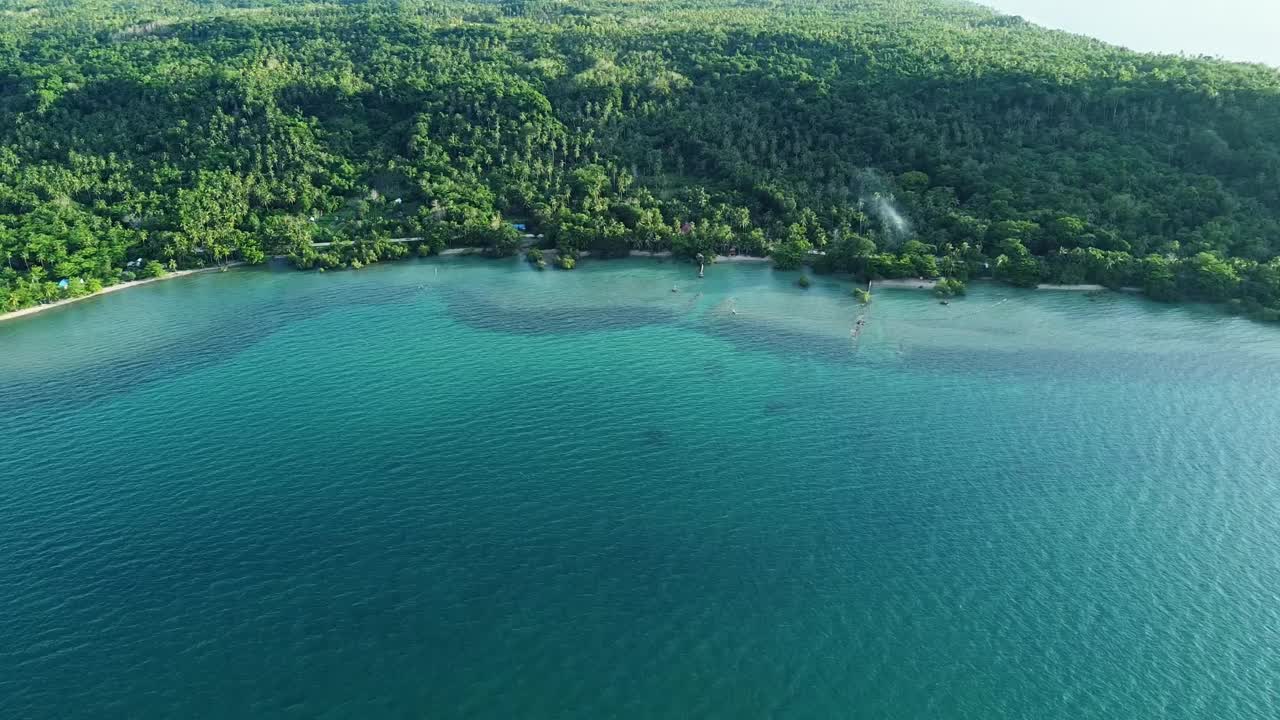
895, 137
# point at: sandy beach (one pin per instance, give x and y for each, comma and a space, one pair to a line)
905, 283
113, 288
918, 284
900, 283
551, 253
661, 254
740, 259
1074, 288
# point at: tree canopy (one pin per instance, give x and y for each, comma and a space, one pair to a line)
895, 137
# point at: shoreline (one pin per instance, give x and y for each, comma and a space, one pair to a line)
918, 284
904, 284
895, 283
552, 252
664, 255
36, 309
1079, 287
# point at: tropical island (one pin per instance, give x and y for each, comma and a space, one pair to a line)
872, 138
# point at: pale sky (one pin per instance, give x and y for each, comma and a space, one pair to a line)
1246, 30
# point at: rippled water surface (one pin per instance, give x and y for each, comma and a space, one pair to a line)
460, 488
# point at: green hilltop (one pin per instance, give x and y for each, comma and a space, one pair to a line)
897, 137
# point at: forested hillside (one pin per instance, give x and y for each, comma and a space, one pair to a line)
900, 137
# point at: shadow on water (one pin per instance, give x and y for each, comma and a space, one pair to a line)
40, 392
715, 368
973, 328
656, 436
764, 336
179, 355
475, 311
994, 363
773, 408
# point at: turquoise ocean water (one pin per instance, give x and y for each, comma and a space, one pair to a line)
467, 489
